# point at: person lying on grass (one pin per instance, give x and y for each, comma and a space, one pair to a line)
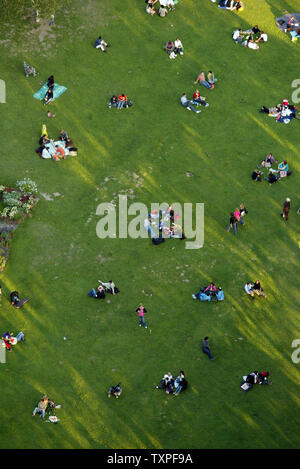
187, 103
99, 294
9, 339
201, 79
15, 299
110, 287
167, 383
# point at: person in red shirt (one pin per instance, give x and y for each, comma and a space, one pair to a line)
199, 99
121, 101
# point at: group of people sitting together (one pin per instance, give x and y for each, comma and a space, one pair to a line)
173, 385
104, 287
261, 377
232, 5
29, 70
49, 149
174, 48
46, 405
197, 99
120, 101
284, 112
274, 175
209, 83
253, 289
209, 293
101, 44
162, 224
250, 38
9, 339
236, 218
161, 7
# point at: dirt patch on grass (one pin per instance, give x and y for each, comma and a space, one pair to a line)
42, 38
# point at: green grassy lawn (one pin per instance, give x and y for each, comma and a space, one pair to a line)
56, 256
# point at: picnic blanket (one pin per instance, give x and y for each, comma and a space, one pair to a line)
288, 22
58, 90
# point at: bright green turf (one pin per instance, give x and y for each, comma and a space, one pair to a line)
56, 256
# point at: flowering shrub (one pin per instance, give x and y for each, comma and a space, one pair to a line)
27, 186
18, 202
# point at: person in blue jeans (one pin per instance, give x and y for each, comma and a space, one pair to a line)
180, 383
188, 103
233, 223
206, 348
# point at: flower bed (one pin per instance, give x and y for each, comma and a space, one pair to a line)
16, 205
19, 202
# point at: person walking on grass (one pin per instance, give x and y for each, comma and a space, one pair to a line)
206, 348
243, 212
286, 208
233, 223
141, 310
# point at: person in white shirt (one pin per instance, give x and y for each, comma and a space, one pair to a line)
109, 286
263, 37
162, 12
237, 35
251, 44
248, 289
188, 104
178, 47
167, 3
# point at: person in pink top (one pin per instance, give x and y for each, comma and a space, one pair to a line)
237, 214
141, 310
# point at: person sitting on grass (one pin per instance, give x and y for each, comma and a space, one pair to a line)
168, 4
197, 98
113, 101
101, 44
115, 391
263, 37
121, 101
150, 8
178, 46
167, 383
188, 104
248, 289
180, 383
110, 287
63, 136
251, 44
272, 177
6, 339
283, 169
268, 161
211, 78
49, 96
238, 36
258, 290
256, 175
41, 407
162, 12
201, 79
170, 47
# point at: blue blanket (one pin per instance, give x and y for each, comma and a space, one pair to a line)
58, 90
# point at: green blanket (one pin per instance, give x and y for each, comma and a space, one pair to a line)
58, 90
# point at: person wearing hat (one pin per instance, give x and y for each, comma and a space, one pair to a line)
286, 208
